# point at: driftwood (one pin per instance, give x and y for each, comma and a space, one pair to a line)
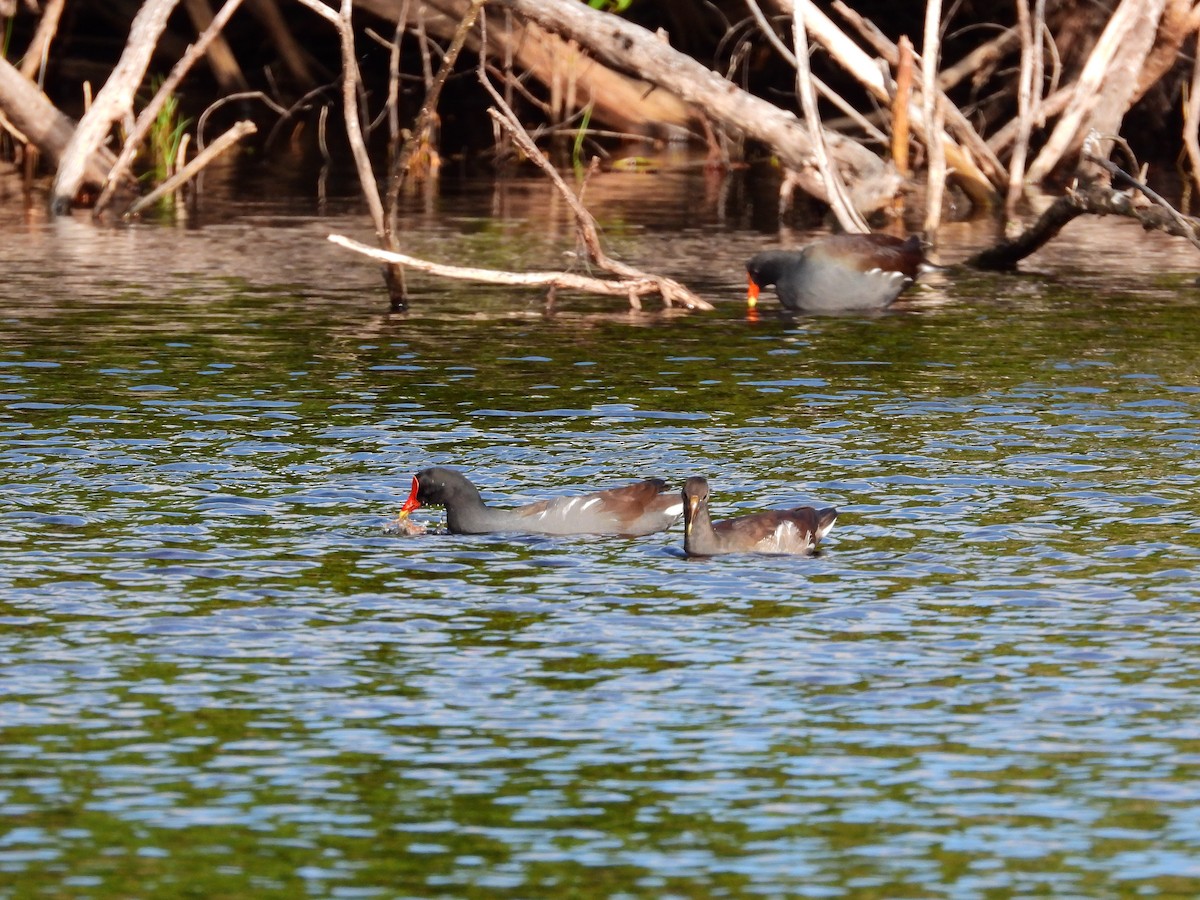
933, 112
114, 101
550, 281
631, 283
221, 60
145, 119
1100, 190
1104, 91
39, 47
38, 121
193, 168
872, 184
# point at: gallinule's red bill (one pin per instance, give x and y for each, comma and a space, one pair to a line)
838, 274
635, 509
784, 531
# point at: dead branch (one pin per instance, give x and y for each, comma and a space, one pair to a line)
932, 109
145, 120
1105, 88
425, 118
1051, 105
621, 43
549, 280
1093, 194
974, 163
39, 47
823, 89
221, 61
194, 167
1191, 119
900, 102
984, 57
671, 291
40, 122
1025, 104
622, 101
839, 201
114, 101
341, 21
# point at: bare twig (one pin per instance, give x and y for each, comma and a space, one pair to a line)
145, 120
341, 20
671, 291
1095, 195
1051, 105
114, 101
932, 107
39, 48
393, 95
551, 280
839, 202
1025, 88
1106, 77
986, 54
193, 168
900, 102
427, 116
1191, 118
823, 89
285, 115
420, 135
1184, 226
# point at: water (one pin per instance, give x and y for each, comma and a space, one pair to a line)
221, 677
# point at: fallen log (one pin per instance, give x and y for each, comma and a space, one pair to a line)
38, 121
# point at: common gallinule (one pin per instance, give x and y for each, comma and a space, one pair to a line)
635, 509
784, 531
841, 273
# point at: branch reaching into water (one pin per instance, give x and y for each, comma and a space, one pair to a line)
193, 168
113, 101
145, 119
671, 291
631, 288
1096, 195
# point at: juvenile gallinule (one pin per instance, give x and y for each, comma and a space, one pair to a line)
635, 509
838, 274
783, 531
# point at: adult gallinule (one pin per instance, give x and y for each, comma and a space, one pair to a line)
635, 509
841, 273
784, 531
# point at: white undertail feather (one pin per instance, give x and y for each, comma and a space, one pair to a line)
821, 532
786, 533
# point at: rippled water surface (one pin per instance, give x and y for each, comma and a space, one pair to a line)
222, 678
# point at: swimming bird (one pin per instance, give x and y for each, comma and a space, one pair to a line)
635, 509
781, 531
842, 273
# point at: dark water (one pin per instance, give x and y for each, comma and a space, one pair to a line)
221, 678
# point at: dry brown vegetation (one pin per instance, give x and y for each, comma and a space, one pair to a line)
1033, 111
